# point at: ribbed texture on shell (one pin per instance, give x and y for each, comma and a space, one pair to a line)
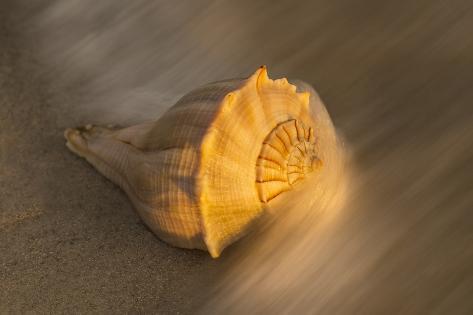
166, 187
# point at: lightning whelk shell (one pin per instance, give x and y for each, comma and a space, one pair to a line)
203, 172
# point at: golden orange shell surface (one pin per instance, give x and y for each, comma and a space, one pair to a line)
203, 172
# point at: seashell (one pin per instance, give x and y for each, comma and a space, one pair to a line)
200, 175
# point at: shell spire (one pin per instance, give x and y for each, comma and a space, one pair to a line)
287, 156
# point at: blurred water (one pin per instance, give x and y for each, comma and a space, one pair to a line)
396, 77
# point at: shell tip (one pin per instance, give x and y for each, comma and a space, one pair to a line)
229, 97
262, 73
